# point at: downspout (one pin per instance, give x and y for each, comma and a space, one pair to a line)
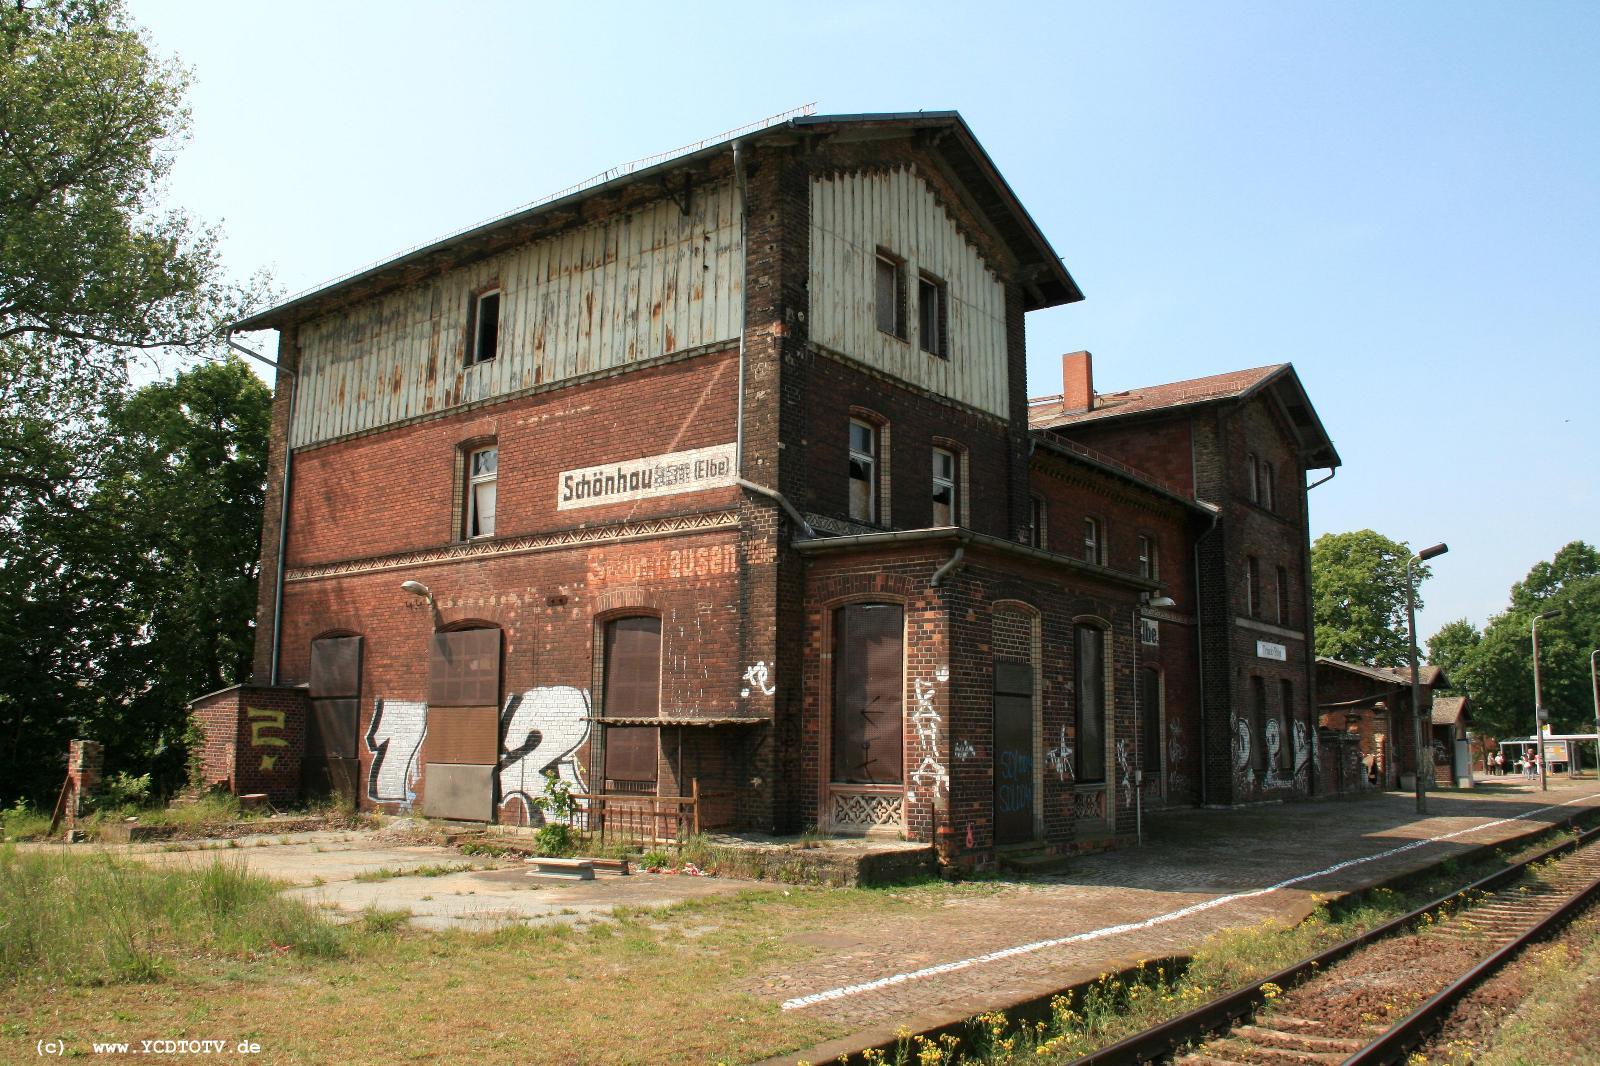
283, 501
744, 300
789, 509
1332, 470
1200, 657
954, 561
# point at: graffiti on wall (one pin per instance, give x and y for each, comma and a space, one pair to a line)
540, 730
1177, 780
261, 721
755, 679
1059, 758
930, 772
1302, 756
394, 738
964, 750
1273, 740
1125, 771
1242, 776
690, 677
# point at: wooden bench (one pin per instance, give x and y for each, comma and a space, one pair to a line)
566, 869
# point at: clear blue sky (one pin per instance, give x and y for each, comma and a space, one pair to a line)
1401, 199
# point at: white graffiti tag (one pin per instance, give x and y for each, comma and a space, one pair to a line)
1274, 740
394, 738
1059, 758
963, 749
930, 772
1241, 743
1126, 770
540, 730
756, 678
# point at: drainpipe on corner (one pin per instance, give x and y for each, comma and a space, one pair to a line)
1200, 656
955, 561
283, 501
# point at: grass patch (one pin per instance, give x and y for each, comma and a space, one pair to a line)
23, 822
389, 873
97, 919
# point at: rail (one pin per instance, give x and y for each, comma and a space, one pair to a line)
1163, 1040
632, 818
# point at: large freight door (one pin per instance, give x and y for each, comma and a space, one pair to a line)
331, 766
463, 741
1013, 752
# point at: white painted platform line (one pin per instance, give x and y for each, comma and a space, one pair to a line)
1147, 923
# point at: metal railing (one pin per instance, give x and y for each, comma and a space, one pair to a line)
630, 818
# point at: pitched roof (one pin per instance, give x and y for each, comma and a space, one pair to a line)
1046, 412
1045, 283
1429, 674
1447, 710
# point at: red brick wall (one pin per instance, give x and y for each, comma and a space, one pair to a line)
1164, 449
255, 740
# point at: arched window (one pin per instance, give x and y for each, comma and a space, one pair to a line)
868, 694
632, 690
1091, 710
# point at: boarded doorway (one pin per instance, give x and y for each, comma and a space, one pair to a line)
1013, 752
332, 766
463, 742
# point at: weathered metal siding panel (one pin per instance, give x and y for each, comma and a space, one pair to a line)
852, 215
634, 287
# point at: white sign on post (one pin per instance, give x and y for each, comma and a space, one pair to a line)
641, 479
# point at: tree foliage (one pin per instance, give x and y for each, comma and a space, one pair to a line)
1497, 668
1358, 588
123, 513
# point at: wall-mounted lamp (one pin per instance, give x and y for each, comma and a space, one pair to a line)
417, 588
1160, 602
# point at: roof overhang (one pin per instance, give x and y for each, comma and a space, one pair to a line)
1045, 281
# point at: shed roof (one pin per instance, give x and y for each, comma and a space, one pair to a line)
1448, 710
1046, 282
1429, 674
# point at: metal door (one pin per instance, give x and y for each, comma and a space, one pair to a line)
1013, 753
331, 766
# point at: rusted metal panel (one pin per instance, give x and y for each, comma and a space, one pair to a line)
466, 735
852, 216
636, 286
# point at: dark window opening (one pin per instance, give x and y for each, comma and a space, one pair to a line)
1252, 588
1286, 746
1036, 530
1091, 708
890, 295
485, 339
335, 692
1283, 596
946, 489
868, 688
1258, 723
1150, 718
933, 316
863, 472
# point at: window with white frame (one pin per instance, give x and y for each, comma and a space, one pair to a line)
1149, 559
933, 316
484, 342
863, 471
1253, 470
482, 470
946, 488
1093, 541
890, 294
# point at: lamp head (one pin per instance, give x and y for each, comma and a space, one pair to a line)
417, 588
1161, 601
1554, 612
1430, 553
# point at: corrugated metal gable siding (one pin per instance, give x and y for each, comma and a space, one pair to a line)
630, 288
852, 215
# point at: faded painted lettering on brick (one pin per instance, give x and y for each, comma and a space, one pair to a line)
640, 479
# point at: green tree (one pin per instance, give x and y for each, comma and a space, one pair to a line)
1358, 588
139, 596
1451, 647
1499, 671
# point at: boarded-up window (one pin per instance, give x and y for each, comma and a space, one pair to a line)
465, 669
868, 690
1091, 710
335, 692
1286, 745
1150, 718
632, 679
1258, 723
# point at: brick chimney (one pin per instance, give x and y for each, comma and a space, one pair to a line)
1077, 381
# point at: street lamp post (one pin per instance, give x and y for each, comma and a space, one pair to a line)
1416, 685
1538, 703
1594, 684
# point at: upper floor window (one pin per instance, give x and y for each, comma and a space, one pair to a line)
1036, 521
1252, 587
482, 469
890, 294
946, 505
1093, 541
863, 471
933, 316
1090, 712
484, 342
1253, 472
1149, 559
1283, 596
1266, 485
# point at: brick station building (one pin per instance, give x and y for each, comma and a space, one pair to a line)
719, 476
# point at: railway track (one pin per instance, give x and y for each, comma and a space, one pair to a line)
1471, 933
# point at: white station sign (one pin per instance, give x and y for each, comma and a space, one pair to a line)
640, 479
1265, 649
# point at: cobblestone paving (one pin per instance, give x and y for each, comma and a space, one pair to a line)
1190, 857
